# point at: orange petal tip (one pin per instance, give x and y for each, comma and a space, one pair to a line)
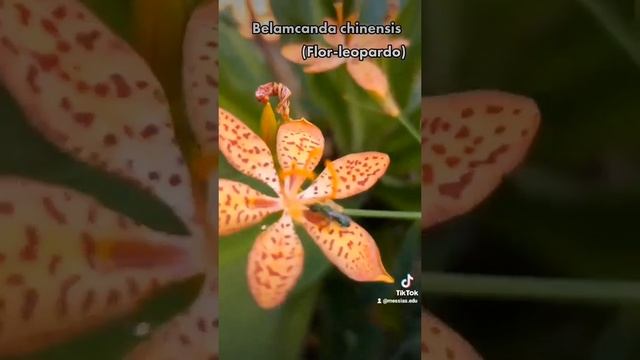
386, 278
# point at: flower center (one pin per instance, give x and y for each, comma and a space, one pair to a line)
291, 180
290, 183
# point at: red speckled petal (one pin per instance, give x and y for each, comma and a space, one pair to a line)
349, 248
201, 75
246, 151
192, 335
275, 263
470, 141
239, 206
439, 342
300, 146
354, 173
67, 264
89, 93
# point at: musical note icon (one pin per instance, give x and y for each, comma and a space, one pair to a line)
406, 283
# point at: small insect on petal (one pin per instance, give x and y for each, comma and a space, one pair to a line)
68, 264
350, 248
470, 141
89, 93
439, 342
275, 263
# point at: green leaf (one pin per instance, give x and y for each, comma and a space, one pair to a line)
26, 153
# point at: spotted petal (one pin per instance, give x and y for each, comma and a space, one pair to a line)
350, 248
192, 335
439, 342
275, 263
246, 151
348, 176
201, 75
67, 264
300, 146
240, 206
470, 141
89, 93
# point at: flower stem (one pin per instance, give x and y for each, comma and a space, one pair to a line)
414, 133
405, 215
615, 25
531, 288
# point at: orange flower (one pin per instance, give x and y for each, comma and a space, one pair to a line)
365, 73
276, 260
470, 141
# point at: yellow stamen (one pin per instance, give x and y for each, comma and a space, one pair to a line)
334, 179
307, 174
203, 166
269, 126
104, 251
316, 153
260, 202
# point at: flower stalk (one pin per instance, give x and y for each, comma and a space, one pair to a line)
384, 214
531, 288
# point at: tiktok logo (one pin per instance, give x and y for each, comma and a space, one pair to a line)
406, 283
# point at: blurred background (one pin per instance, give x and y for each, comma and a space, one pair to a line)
24, 152
571, 209
327, 316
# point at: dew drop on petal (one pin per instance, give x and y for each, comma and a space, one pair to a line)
142, 329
